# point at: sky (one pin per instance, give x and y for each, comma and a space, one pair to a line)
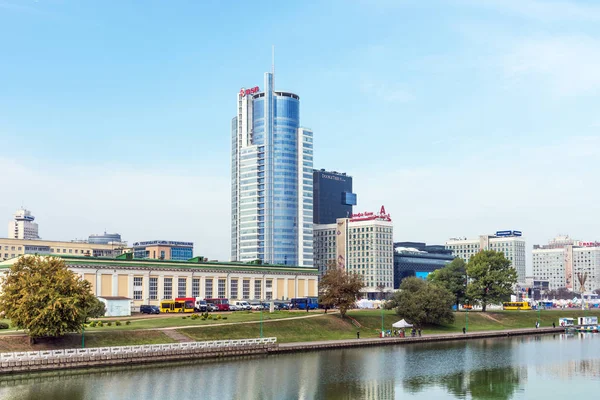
462, 117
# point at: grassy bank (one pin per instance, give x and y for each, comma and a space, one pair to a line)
72, 341
331, 327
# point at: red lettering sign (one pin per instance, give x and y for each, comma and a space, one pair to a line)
369, 216
249, 91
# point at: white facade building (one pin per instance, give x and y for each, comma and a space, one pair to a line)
510, 243
562, 259
23, 226
362, 244
271, 178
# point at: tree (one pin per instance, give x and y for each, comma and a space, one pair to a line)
422, 302
96, 309
41, 296
339, 288
491, 277
454, 278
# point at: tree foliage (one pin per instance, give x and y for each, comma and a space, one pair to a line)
422, 302
96, 309
491, 277
339, 288
41, 296
452, 277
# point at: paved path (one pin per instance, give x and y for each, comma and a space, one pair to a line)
438, 337
179, 337
237, 323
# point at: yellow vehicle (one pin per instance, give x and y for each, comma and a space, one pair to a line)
517, 305
171, 306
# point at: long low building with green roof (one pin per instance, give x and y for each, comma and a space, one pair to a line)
147, 281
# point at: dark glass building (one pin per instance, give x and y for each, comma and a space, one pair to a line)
418, 259
332, 196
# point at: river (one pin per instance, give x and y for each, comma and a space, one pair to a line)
533, 367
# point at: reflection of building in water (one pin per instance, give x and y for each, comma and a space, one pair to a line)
378, 389
570, 369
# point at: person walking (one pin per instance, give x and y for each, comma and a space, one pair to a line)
419, 332
464, 330
537, 324
358, 334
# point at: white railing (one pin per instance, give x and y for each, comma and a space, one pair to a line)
144, 349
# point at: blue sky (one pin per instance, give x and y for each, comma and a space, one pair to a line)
463, 117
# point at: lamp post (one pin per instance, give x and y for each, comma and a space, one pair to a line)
83, 336
261, 308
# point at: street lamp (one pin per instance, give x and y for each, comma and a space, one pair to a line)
261, 307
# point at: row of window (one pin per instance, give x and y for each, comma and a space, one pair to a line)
208, 288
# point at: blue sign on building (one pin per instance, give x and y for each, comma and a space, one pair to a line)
508, 233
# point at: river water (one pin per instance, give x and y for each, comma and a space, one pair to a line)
549, 366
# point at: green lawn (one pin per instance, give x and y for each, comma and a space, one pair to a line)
478, 321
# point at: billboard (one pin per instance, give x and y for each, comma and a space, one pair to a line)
340, 243
422, 274
508, 233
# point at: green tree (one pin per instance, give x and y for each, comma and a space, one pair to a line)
338, 288
41, 296
454, 278
491, 278
422, 302
96, 309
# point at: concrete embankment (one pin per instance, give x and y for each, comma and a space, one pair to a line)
336, 344
32, 361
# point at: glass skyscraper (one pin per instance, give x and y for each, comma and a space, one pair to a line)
271, 179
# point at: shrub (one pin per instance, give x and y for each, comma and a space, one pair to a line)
224, 317
128, 323
93, 324
99, 324
219, 316
109, 323
203, 318
118, 323
3, 325
195, 316
183, 317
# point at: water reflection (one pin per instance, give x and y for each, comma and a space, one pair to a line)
483, 369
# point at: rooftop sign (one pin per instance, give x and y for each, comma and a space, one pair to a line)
509, 233
245, 92
163, 243
370, 216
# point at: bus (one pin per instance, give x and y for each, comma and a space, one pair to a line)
517, 305
171, 306
222, 304
188, 303
303, 302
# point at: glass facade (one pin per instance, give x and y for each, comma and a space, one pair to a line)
271, 191
333, 197
418, 259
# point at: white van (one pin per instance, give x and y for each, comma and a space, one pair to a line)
243, 305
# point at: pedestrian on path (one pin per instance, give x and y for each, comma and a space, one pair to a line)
553, 325
464, 330
358, 334
419, 332
537, 324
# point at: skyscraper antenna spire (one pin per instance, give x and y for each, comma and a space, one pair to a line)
273, 63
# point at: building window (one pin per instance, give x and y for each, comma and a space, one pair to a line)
221, 288
246, 289
168, 288
208, 288
181, 287
137, 287
196, 287
258, 289
234, 289
269, 291
153, 289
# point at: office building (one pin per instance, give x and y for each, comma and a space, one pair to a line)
362, 244
511, 243
332, 196
563, 259
149, 281
271, 178
12, 248
105, 238
163, 250
23, 226
418, 259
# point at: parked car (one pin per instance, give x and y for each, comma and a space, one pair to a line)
148, 309
211, 307
242, 305
256, 305
282, 305
233, 307
200, 306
